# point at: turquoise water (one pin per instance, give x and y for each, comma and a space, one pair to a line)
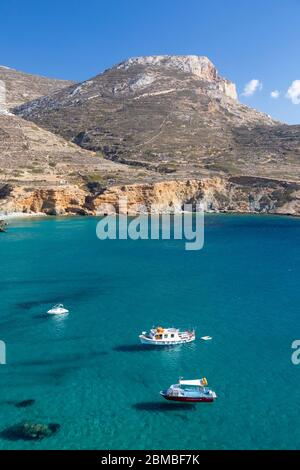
88, 372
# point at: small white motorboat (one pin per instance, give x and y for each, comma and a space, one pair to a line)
167, 336
58, 310
206, 338
190, 391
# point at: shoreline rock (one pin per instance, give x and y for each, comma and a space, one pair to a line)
239, 194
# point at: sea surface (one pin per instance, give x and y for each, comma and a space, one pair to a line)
88, 372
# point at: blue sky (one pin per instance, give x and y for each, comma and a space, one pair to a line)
246, 40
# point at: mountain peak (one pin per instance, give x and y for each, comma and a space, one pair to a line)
199, 66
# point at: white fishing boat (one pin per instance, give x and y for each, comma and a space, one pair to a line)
167, 336
58, 310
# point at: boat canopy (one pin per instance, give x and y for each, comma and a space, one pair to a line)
194, 383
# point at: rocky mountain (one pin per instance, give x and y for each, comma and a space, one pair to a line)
170, 114
172, 131
22, 87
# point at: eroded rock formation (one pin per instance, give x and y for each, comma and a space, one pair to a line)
236, 194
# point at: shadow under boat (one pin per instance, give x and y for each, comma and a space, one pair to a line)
161, 406
133, 348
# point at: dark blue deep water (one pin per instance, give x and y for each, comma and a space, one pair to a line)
88, 372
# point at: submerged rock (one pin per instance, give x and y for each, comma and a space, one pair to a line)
30, 431
24, 403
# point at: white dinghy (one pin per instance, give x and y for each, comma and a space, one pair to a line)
58, 310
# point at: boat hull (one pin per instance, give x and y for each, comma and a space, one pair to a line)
52, 312
152, 342
188, 399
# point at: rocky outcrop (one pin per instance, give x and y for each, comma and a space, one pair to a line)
232, 195
3, 226
200, 66
241, 194
52, 201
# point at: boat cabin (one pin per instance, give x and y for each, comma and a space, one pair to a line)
164, 333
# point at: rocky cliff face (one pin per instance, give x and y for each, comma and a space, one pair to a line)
241, 194
233, 195
199, 66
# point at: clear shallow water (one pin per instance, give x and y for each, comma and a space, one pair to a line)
88, 372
